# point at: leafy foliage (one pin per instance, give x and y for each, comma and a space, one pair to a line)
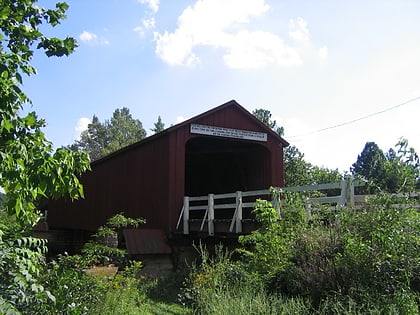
158, 126
265, 117
30, 169
21, 263
3, 201
381, 246
297, 171
74, 291
396, 171
268, 250
214, 274
362, 261
101, 139
103, 248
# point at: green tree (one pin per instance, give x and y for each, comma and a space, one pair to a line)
264, 116
92, 140
30, 168
159, 126
297, 171
396, 171
101, 139
402, 168
370, 164
123, 130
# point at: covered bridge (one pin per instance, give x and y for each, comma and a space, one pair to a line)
223, 150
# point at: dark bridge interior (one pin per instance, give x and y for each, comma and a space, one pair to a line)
215, 165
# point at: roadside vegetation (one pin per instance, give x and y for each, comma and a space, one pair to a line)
338, 261
357, 261
363, 261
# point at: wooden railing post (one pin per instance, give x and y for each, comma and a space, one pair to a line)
350, 192
238, 218
210, 214
343, 194
186, 215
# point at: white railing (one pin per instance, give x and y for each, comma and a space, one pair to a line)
206, 205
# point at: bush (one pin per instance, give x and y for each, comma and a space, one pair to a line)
214, 273
269, 249
368, 257
363, 261
74, 291
381, 251
312, 272
123, 295
22, 261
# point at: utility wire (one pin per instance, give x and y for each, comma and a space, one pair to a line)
357, 119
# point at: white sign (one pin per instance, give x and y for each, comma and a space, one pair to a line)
228, 132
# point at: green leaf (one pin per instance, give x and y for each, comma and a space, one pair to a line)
6, 124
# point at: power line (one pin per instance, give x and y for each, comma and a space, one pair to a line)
357, 119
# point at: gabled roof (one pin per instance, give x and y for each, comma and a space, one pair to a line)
210, 112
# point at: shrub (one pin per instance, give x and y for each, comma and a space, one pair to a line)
123, 294
368, 257
103, 248
269, 249
381, 251
74, 291
213, 274
312, 272
22, 261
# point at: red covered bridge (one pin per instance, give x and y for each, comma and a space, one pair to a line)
223, 150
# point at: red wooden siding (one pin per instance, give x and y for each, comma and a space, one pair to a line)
148, 179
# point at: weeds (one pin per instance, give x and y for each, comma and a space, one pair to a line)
361, 262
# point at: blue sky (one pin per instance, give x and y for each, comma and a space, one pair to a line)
313, 64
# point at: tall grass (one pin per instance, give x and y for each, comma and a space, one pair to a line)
127, 295
357, 262
245, 300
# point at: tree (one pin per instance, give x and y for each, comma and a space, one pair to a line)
101, 139
264, 116
402, 168
297, 171
370, 163
122, 130
159, 126
396, 171
92, 140
30, 169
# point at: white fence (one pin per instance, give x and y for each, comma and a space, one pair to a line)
207, 210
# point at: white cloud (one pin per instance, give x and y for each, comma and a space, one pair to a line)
92, 39
153, 4
299, 30
81, 125
258, 49
222, 24
147, 24
323, 52
87, 36
175, 48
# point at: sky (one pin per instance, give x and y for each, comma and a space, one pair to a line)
334, 74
